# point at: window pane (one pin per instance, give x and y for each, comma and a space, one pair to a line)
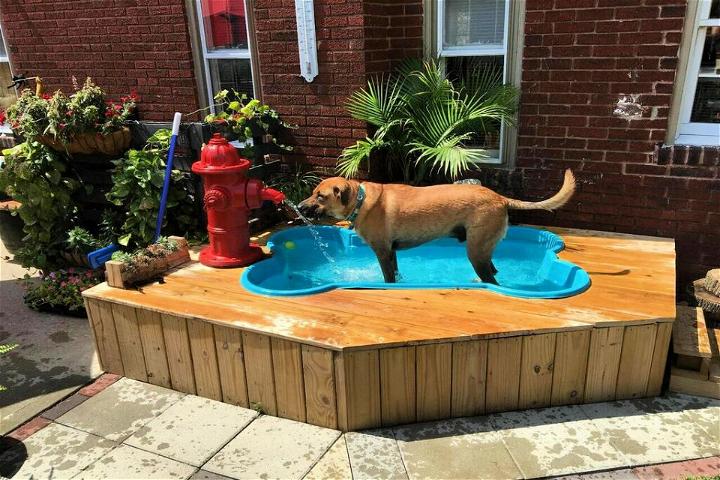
706, 107
3, 53
467, 69
7, 95
231, 74
224, 22
715, 9
474, 22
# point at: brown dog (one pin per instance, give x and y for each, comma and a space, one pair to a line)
395, 217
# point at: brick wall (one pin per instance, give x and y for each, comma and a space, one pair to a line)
581, 58
122, 44
355, 39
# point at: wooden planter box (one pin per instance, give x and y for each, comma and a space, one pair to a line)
119, 277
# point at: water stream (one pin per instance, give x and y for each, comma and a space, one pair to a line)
322, 246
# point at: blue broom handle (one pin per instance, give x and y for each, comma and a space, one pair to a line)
168, 173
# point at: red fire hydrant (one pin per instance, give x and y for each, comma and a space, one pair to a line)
229, 197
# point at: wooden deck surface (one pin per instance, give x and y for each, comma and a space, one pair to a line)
633, 283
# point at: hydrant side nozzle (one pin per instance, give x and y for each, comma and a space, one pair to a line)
273, 195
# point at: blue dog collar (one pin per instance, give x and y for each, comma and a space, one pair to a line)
358, 204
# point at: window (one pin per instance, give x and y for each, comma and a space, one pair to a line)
225, 46
472, 35
699, 117
7, 95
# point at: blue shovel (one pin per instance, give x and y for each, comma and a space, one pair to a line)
99, 257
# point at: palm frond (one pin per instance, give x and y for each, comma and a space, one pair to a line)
353, 156
449, 156
379, 103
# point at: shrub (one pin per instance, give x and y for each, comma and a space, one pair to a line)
60, 291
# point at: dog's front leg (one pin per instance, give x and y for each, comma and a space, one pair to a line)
388, 263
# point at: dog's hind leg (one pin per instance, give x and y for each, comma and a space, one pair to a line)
481, 243
388, 263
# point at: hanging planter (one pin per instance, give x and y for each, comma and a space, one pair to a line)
111, 144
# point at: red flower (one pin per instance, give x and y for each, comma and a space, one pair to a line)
69, 113
3, 117
46, 96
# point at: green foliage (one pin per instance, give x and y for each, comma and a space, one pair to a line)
36, 177
82, 241
5, 348
61, 117
297, 184
137, 187
247, 119
424, 122
60, 291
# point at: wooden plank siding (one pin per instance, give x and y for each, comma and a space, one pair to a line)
351, 360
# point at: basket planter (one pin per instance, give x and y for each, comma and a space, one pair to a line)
120, 277
111, 144
75, 258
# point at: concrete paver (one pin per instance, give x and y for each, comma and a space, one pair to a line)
272, 448
126, 462
121, 409
652, 431
192, 429
458, 448
55, 452
556, 441
375, 454
334, 464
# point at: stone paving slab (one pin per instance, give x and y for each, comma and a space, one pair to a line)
706, 467
334, 464
192, 430
655, 430
458, 448
556, 441
121, 409
375, 454
272, 447
205, 475
54, 452
126, 462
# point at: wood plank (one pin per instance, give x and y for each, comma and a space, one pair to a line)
503, 374
177, 346
603, 364
231, 365
103, 326
397, 385
659, 358
635, 361
571, 358
319, 377
204, 359
289, 383
536, 371
153, 345
434, 381
690, 333
469, 369
358, 381
259, 372
131, 351
690, 386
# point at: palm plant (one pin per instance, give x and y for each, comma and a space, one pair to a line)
427, 123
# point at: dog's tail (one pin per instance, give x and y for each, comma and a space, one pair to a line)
556, 201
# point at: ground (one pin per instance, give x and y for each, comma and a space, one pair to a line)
55, 354
137, 430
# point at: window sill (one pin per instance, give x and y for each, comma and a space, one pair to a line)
697, 140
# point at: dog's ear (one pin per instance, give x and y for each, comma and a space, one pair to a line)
343, 194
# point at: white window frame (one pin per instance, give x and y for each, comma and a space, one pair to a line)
697, 133
477, 51
4, 127
224, 53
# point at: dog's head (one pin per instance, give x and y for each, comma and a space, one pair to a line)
331, 198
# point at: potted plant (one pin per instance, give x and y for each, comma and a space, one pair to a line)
83, 123
78, 244
127, 269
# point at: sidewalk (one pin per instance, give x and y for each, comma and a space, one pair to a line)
136, 430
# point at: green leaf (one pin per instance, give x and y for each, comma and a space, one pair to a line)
125, 239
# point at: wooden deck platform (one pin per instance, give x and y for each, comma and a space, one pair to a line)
354, 359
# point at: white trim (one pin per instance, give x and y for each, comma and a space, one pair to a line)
695, 133
222, 53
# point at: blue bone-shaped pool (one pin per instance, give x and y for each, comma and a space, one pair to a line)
308, 260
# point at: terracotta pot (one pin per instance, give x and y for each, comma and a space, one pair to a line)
112, 144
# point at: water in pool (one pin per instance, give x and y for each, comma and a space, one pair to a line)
310, 260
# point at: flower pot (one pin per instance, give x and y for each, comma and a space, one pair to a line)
111, 144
